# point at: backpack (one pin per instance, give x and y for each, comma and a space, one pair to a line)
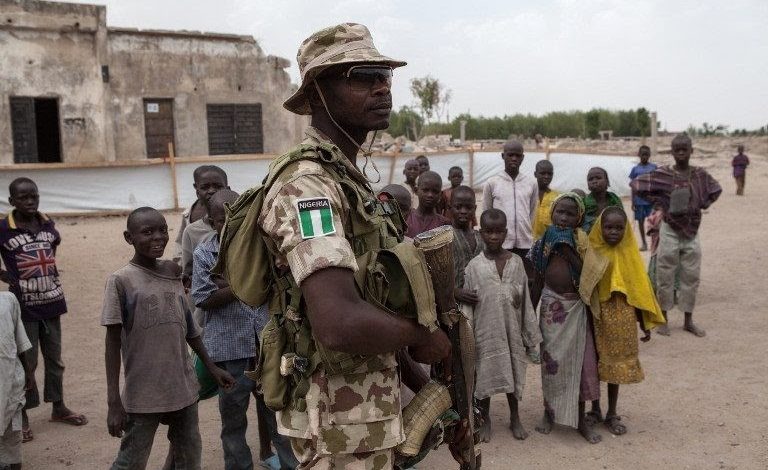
243, 238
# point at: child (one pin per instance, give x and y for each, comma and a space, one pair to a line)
683, 191
640, 206
207, 180
568, 357
231, 339
150, 325
423, 164
543, 173
467, 242
210, 180
579, 193
15, 376
740, 163
617, 288
28, 243
425, 216
504, 322
598, 198
411, 172
455, 176
401, 195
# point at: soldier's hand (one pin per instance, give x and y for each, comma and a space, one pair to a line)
435, 347
462, 442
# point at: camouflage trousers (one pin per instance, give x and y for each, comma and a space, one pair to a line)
309, 458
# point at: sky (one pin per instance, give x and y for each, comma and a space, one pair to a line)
690, 61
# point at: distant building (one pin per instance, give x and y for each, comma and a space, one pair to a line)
74, 90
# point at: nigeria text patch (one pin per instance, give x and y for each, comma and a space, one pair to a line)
315, 217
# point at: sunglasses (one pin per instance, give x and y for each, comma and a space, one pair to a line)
364, 77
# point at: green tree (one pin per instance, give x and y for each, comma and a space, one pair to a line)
643, 122
405, 122
432, 97
592, 123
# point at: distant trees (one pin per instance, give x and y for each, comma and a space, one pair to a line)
553, 124
415, 123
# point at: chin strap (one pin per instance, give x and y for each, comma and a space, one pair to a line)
367, 154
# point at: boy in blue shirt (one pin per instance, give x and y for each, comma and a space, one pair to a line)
640, 206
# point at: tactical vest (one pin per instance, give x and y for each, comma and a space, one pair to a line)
391, 275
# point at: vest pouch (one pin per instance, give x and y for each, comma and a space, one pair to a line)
273, 384
679, 200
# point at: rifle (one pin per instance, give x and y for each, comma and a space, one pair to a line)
437, 248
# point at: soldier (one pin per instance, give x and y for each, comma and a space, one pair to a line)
319, 216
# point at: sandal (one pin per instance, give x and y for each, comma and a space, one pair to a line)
613, 423
74, 419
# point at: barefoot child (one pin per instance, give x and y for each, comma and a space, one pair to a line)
640, 206
617, 288
423, 162
425, 216
683, 191
150, 325
15, 376
401, 195
543, 173
208, 180
568, 357
411, 172
598, 198
467, 242
231, 340
455, 176
504, 322
28, 244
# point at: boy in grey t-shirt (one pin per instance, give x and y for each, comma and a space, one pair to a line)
149, 324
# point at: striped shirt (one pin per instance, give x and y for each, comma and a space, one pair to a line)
230, 331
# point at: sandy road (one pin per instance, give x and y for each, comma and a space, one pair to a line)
704, 404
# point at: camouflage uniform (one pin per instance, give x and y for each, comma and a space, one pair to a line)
351, 420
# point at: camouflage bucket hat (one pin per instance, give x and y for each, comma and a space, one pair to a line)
346, 43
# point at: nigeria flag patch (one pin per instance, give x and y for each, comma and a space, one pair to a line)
315, 217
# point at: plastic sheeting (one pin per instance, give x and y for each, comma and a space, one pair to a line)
83, 190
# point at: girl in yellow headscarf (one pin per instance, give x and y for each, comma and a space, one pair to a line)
616, 285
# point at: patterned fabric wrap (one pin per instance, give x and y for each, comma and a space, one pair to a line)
346, 43
548, 245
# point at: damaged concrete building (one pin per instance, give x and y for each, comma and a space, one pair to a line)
76, 91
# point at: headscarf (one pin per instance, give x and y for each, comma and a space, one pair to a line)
547, 245
575, 198
625, 273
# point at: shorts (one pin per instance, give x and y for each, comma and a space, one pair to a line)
642, 211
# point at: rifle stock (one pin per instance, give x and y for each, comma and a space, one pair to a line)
437, 247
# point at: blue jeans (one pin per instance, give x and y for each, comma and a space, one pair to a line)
282, 444
233, 405
140, 428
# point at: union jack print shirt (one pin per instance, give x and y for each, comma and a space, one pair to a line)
30, 259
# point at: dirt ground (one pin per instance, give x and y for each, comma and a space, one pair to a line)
703, 404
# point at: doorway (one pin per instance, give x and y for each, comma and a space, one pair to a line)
158, 126
35, 129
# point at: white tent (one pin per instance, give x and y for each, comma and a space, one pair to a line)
122, 188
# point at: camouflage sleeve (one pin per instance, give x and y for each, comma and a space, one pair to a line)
303, 215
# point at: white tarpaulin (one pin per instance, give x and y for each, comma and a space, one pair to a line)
121, 188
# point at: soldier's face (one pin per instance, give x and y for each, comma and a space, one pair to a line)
355, 106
